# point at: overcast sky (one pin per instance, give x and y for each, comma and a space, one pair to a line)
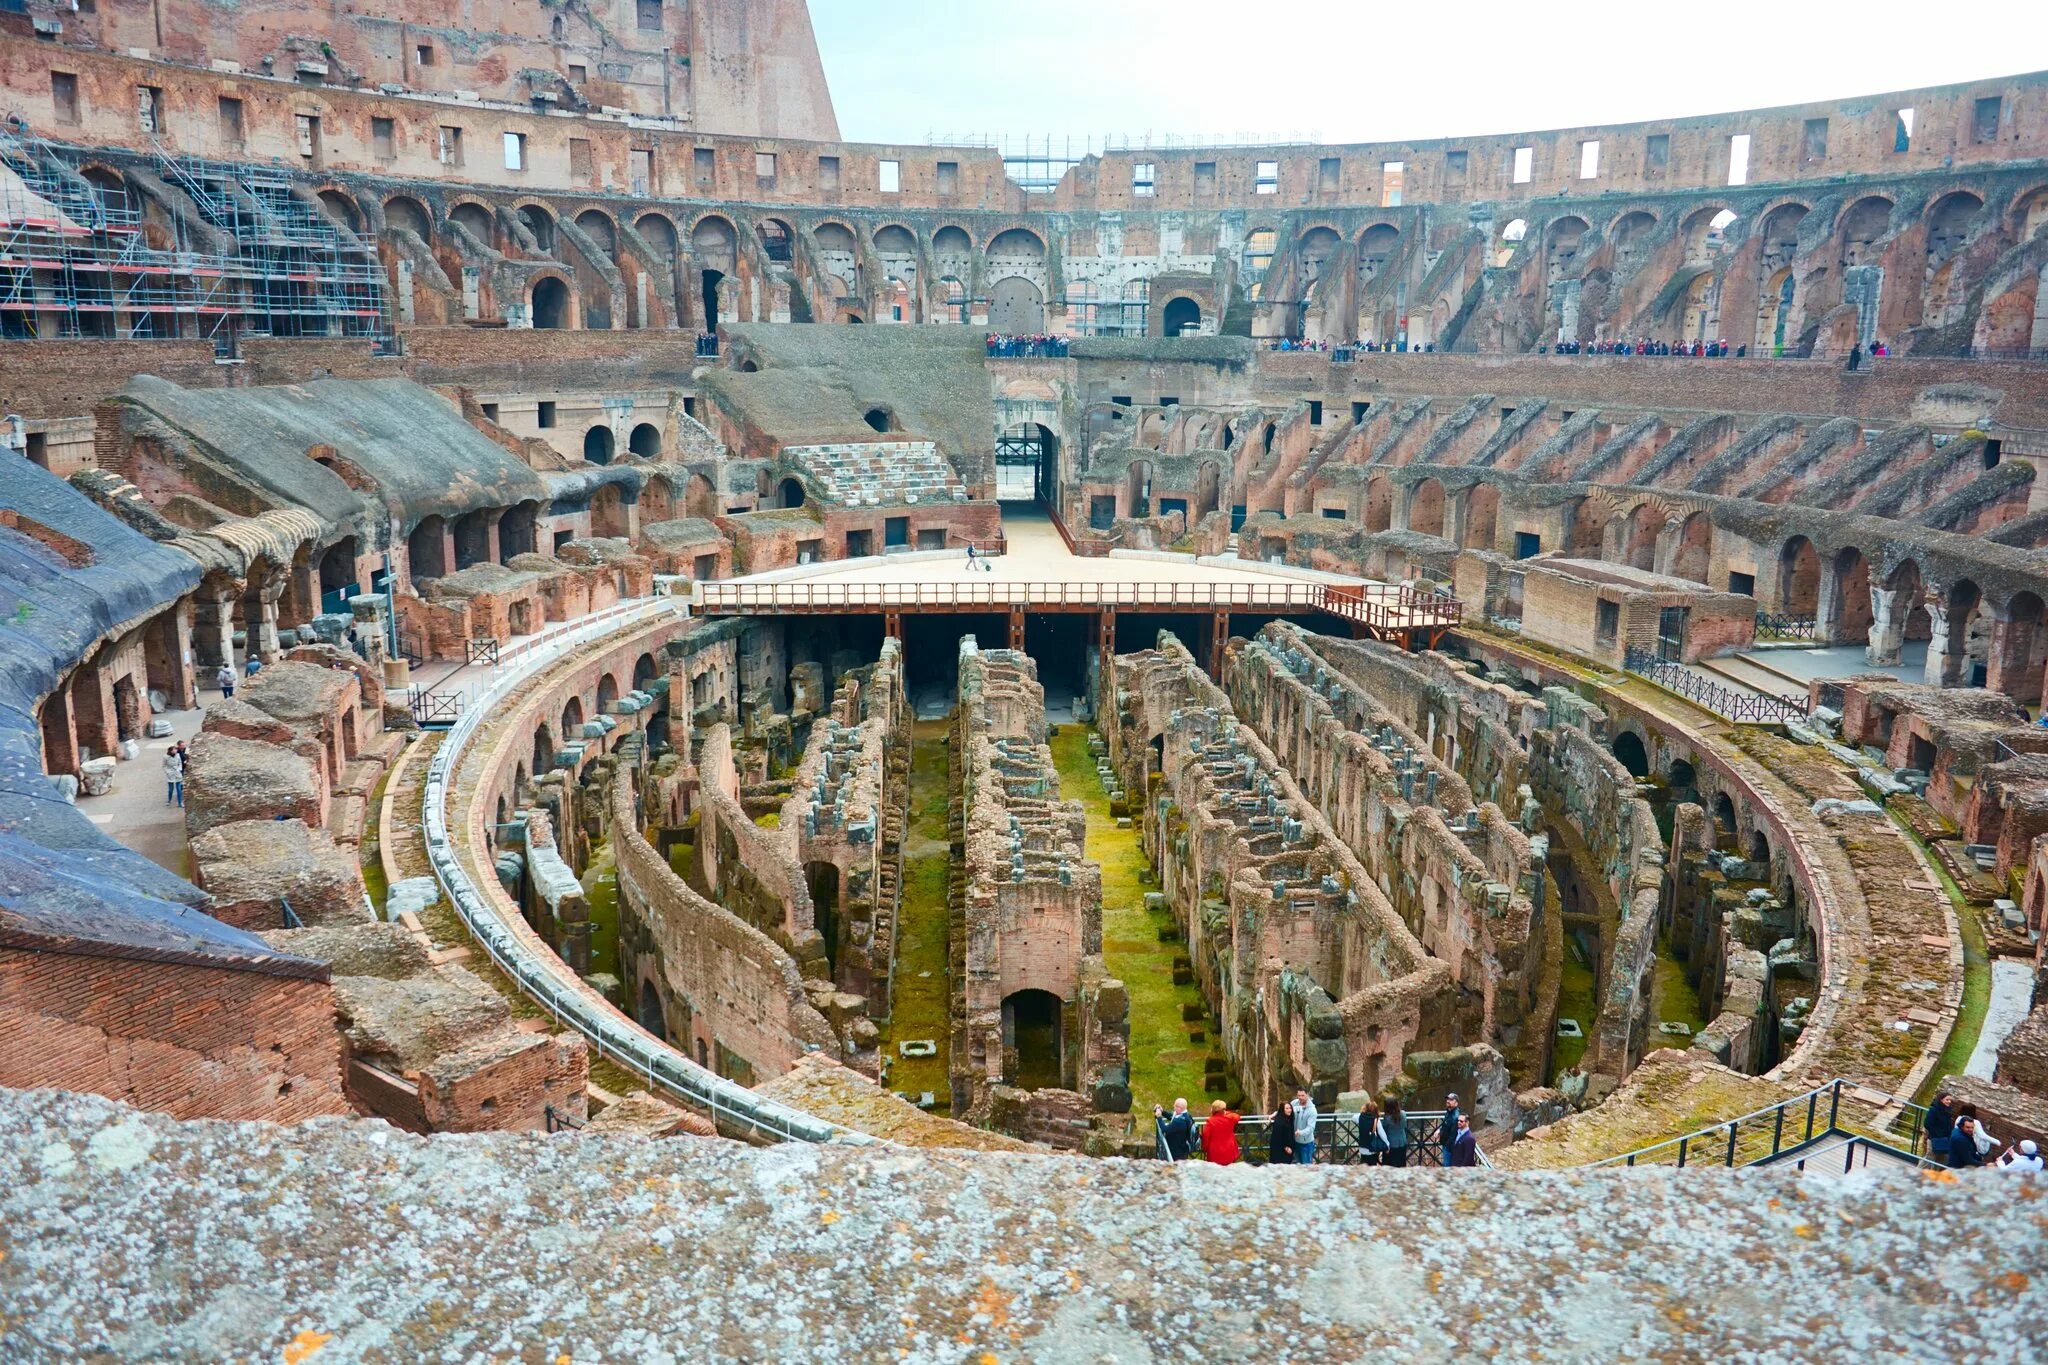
1348, 71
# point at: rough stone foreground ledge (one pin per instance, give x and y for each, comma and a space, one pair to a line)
129, 1235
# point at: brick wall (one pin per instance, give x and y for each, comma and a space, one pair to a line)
193, 1042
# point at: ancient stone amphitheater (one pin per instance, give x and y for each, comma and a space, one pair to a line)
562, 801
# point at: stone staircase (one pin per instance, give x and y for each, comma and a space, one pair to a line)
879, 473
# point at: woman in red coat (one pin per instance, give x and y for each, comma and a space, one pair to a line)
1219, 1135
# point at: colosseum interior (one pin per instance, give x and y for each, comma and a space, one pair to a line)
1561, 633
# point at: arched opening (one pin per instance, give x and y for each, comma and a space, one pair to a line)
644, 672
1949, 224
1031, 1035
952, 301
1693, 556
540, 225
645, 441
342, 209
543, 751
775, 240
1724, 821
598, 444
648, 1013
1208, 488
1851, 597
338, 580
712, 244
1863, 226
403, 211
572, 720
1628, 748
1426, 508
477, 221
1509, 241
1182, 316
1798, 579
518, 531
790, 493
602, 231
2017, 641
1760, 850
1016, 307
1639, 546
473, 538
1965, 662
879, 419
1680, 779
1482, 517
1379, 503
426, 550
550, 303
1562, 246
1629, 234
822, 881
607, 693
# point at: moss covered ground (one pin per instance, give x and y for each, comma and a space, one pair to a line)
1165, 1063
1574, 1001
601, 893
921, 989
1962, 1039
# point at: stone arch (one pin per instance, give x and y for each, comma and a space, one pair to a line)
343, 206
1966, 659
1379, 503
572, 719
1646, 521
1561, 245
713, 251
518, 530
1377, 245
645, 671
1426, 507
1630, 753
426, 550
645, 440
700, 499
777, 241
1016, 307
404, 211
2029, 214
1482, 517
607, 693
1629, 233
476, 219
1138, 488
1850, 605
599, 227
1014, 251
549, 303
1692, 553
599, 444
1706, 231
1509, 241
1798, 578
1949, 223
1208, 489
790, 493
1862, 226
1181, 316
539, 222
544, 750
657, 499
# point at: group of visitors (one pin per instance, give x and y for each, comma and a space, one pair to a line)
1878, 351
1026, 347
1344, 350
1291, 1134
174, 774
1718, 349
1957, 1137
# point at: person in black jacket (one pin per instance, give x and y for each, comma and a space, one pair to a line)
1940, 1122
1447, 1135
1962, 1144
1280, 1136
1464, 1148
1179, 1131
1396, 1124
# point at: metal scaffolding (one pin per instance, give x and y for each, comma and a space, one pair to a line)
77, 260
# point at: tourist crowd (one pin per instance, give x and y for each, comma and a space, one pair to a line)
1718, 349
1291, 1134
1027, 347
1957, 1138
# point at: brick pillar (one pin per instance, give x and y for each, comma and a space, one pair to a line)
1939, 650
2012, 648
1827, 617
60, 734
92, 706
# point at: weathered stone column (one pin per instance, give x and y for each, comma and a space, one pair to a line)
1887, 629
1939, 664
259, 616
213, 627
1827, 615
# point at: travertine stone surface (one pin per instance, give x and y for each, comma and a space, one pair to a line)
128, 1235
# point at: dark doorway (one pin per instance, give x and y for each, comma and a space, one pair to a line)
550, 303
649, 1014
1629, 749
711, 279
645, 441
598, 445
822, 880
1181, 317
1026, 468
791, 493
1031, 1032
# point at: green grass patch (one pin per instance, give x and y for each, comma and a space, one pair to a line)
1962, 1039
1574, 1001
1165, 1065
601, 893
921, 996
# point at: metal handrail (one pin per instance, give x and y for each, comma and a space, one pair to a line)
544, 976
1744, 708
1784, 627
1721, 1144
1388, 603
